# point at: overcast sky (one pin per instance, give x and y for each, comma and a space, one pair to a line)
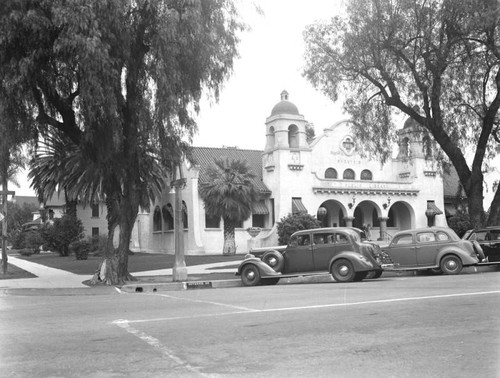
271, 60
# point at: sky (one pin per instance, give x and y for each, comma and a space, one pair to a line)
271, 60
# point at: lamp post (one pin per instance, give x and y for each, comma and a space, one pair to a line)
179, 272
3, 217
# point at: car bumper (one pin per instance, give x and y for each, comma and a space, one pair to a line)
389, 266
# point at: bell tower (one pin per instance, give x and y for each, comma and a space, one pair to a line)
286, 160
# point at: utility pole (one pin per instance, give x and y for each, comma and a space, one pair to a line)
3, 215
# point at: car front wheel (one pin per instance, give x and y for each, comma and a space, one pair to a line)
250, 275
451, 265
343, 271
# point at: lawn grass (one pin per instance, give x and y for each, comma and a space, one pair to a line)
13, 272
137, 262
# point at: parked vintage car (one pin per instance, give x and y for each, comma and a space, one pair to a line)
339, 251
438, 249
489, 240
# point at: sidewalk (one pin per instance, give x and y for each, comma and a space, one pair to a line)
52, 281
151, 280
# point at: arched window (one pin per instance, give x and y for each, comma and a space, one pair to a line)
271, 137
405, 148
366, 175
293, 136
157, 219
349, 174
427, 146
184, 215
168, 216
331, 173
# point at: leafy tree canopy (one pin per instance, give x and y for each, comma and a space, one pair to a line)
229, 191
434, 61
121, 80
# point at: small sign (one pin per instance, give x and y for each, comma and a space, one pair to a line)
199, 285
1, 217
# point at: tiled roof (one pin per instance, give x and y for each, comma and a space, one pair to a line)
204, 157
32, 200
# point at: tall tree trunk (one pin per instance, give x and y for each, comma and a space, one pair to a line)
229, 240
4, 223
474, 191
113, 270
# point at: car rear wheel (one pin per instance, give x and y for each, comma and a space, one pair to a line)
250, 275
343, 271
373, 274
451, 265
270, 281
274, 259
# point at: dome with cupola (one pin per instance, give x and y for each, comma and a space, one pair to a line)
284, 106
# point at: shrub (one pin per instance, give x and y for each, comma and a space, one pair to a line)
460, 223
31, 239
295, 222
80, 249
17, 239
59, 235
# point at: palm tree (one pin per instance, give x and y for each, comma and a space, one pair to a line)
229, 193
58, 165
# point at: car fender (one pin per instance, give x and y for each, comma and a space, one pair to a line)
264, 269
359, 262
462, 255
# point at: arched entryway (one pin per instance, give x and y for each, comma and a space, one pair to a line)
364, 214
401, 216
334, 214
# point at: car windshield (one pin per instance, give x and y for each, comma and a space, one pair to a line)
358, 234
494, 235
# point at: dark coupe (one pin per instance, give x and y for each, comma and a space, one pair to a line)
438, 249
341, 251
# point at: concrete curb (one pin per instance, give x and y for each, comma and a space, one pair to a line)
179, 286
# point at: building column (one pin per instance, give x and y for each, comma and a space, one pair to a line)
383, 227
348, 221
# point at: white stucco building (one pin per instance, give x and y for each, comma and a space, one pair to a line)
327, 177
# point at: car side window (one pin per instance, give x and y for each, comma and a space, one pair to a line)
323, 238
426, 237
480, 236
303, 240
341, 238
495, 235
330, 239
403, 239
442, 236
294, 241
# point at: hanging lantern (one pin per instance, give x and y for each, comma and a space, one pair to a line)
322, 212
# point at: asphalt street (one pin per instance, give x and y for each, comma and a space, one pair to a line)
411, 326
